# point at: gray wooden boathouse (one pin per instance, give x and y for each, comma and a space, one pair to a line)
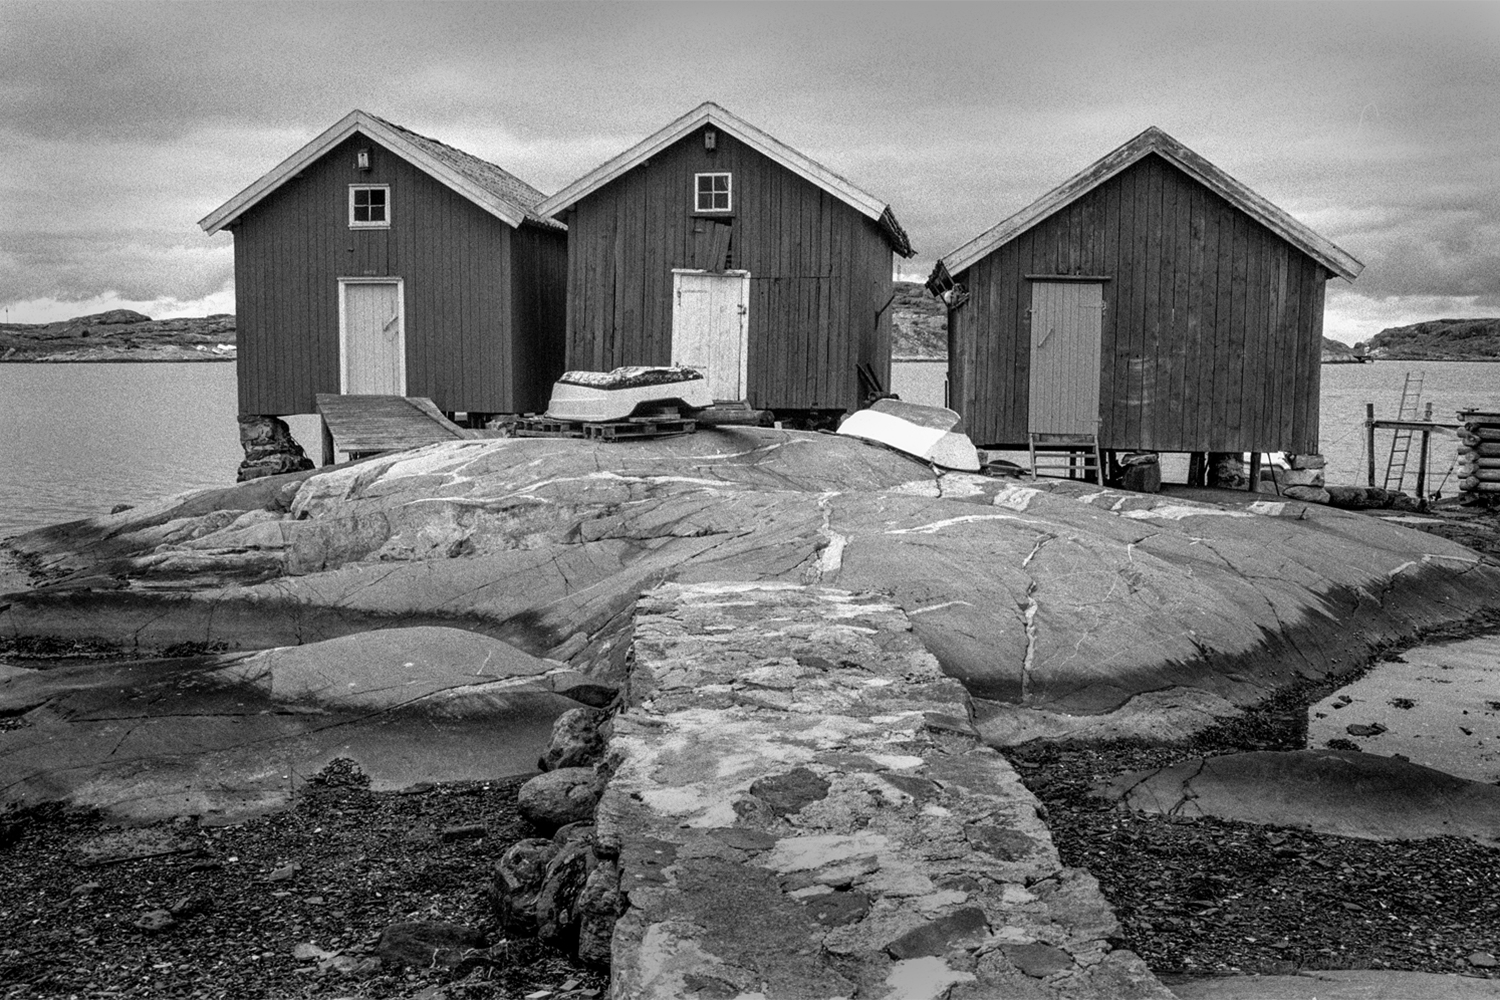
374, 260
1150, 302
713, 243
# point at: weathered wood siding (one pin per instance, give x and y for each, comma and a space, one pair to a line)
1213, 325
820, 273
470, 344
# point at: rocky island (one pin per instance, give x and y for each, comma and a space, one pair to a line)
120, 335
1438, 340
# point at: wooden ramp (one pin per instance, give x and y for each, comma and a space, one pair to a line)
368, 425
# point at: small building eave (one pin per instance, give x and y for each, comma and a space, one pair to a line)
1153, 141
360, 122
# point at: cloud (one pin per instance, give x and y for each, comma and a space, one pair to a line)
123, 124
142, 267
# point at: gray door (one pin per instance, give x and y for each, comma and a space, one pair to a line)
1067, 319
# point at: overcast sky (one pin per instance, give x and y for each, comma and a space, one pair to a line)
1378, 125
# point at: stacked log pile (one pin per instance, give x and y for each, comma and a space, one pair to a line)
1478, 467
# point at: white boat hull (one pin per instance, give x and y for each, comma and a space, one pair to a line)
593, 403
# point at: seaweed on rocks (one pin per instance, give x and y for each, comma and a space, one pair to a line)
1201, 896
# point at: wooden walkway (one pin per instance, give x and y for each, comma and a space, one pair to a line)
368, 425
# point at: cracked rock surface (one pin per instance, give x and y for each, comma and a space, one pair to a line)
1343, 792
1097, 612
802, 811
230, 736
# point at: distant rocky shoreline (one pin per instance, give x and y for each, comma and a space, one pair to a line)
919, 331
119, 335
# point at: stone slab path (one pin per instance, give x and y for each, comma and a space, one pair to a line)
802, 810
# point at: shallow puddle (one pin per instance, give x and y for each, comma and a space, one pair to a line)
1436, 705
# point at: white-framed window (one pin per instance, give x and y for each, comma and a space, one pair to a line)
712, 193
369, 206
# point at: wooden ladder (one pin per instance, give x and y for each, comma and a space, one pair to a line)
1070, 456
1395, 463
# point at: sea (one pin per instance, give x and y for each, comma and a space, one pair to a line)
77, 440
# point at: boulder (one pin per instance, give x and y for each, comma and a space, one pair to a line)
425, 944
1307, 494
270, 448
557, 913
1370, 498
578, 738
1140, 473
516, 882
557, 798
1226, 470
1300, 477
599, 906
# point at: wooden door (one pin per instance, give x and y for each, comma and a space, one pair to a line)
711, 327
372, 338
1066, 324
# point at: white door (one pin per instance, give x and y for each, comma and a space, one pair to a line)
711, 327
1066, 325
372, 338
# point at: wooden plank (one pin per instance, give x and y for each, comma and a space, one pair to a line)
1257, 345
1208, 327
1018, 359
1315, 335
384, 423
1166, 405
1108, 264
1152, 319
1238, 369
1225, 363
1181, 309
1191, 428
1297, 337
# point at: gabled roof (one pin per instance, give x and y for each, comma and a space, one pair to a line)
1155, 141
709, 113
497, 192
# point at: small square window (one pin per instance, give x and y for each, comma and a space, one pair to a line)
369, 206
713, 193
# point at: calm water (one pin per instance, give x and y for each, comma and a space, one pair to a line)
76, 439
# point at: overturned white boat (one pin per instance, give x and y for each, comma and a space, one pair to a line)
616, 395
923, 431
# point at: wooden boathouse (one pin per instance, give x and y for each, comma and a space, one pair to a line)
1150, 303
378, 261
711, 243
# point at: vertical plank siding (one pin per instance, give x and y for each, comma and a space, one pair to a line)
463, 327
1212, 325
820, 273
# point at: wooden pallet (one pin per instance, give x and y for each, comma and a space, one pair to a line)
663, 424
